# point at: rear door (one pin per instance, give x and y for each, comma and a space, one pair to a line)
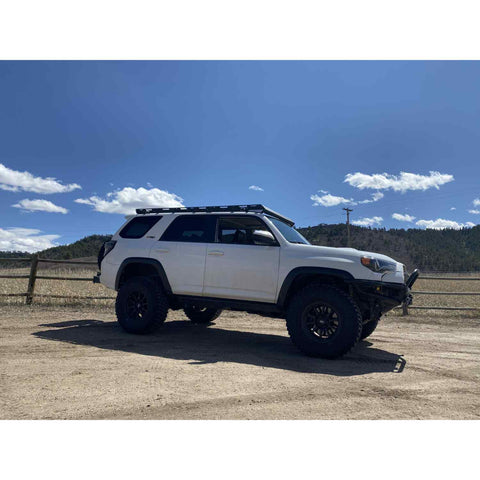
182, 250
244, 260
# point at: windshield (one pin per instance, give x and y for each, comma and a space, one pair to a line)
289, 233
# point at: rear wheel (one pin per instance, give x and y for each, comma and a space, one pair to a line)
141, 305
369, 328
323, 321
199, 314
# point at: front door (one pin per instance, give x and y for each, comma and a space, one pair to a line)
243, 262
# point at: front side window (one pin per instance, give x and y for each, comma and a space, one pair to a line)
246, 230
137, 227
288, 232
191, 228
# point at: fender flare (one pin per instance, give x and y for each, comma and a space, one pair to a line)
296, 272
146, 261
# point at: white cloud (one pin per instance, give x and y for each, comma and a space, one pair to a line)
453, 208
367, 222
441, 223
403, 217
256, 188
15, 181
39, 206
399, 183
125, 201
25, 240
476, 202
475, 212
375, 198
329, 200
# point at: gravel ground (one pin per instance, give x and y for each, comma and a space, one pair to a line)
66, 363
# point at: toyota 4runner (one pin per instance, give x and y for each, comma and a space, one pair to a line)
248, 258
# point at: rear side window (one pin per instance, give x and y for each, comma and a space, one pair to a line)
191, 228
139, 226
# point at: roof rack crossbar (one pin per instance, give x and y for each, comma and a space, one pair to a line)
256, 208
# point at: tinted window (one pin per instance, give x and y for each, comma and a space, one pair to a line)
139, 226
191, 228
244, 231
289, 233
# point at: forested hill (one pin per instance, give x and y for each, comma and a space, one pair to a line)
428, 250
85, 247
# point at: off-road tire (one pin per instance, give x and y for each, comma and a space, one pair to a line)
369, 328
201, 315
147, 293
346, 314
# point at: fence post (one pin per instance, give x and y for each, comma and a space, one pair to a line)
404, 309
31, 280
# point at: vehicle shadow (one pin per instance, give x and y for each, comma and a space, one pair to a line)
182, 340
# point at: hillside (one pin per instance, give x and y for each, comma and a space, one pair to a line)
81, 249
429, 250
85, 247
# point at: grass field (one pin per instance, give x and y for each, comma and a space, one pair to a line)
74, 289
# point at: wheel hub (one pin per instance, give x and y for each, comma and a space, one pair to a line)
321, 321
137, 305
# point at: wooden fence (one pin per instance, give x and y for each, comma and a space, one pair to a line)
33, 277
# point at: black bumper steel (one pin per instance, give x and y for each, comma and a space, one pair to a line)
412, 278
384, 295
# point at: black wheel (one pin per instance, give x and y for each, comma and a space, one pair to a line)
323, 321
369, 328
199, 314
141, 305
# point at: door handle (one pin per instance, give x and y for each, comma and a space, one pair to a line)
161, 250
215, 252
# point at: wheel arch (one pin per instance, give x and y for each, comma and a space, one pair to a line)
141, 266
302, 276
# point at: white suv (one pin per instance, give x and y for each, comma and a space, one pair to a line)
249, 258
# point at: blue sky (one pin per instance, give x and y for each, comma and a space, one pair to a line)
313, 136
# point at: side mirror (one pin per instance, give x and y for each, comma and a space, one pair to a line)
262, 237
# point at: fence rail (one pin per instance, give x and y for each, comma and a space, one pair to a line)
405, 308
33, 277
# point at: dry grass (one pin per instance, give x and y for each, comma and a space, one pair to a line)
55, 287
448, 286
77, 289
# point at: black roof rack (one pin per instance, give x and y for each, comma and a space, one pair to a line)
257, 208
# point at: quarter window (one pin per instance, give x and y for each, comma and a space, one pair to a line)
139, 226
244, 231
191, 228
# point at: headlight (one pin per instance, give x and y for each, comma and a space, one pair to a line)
377, 265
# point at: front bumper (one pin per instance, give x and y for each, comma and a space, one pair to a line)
383, 296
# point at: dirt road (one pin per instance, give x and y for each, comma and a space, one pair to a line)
63, 363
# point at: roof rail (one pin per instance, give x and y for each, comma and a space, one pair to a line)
256, 208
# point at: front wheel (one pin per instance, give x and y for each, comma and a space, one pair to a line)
323, 321
141, 305
369, 328
199, 314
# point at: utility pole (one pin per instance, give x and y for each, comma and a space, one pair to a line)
348, 210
